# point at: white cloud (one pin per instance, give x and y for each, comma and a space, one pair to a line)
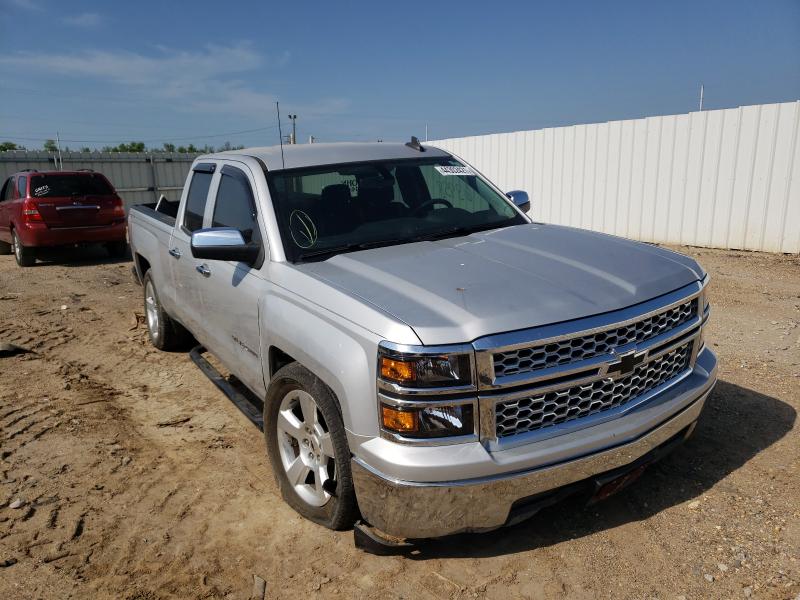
25, 4
86, 20
208, 80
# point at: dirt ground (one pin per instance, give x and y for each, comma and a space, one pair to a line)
139, 480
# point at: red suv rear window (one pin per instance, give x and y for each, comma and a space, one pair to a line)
49, 186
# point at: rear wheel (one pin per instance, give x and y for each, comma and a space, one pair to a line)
26, 257
307, 448
117, 249
165, 332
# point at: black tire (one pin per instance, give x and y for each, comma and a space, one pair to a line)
340, 510
26, 257
117, 249
164, 331
6, 248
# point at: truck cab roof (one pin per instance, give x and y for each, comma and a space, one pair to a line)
312, 155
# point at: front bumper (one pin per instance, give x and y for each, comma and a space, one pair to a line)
423, 509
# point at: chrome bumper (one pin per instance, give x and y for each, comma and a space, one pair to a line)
423, 509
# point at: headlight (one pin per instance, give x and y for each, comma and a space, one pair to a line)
432, 421
429, 370
427, 393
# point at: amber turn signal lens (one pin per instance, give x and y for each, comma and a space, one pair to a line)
397, 370
402, 421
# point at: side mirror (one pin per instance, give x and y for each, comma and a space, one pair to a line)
521, 199
223, 243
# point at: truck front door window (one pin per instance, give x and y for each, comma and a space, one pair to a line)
235, 206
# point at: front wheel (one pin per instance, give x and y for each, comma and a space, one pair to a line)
25, 256
307, 448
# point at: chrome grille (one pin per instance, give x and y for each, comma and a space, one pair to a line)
551, 408
534, 358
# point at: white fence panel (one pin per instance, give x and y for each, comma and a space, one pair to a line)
721, 179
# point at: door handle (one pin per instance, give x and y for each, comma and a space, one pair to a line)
175, 252
203, 270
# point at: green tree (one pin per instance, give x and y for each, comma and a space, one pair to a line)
169, 147
50, 146
7, 146
191, 148
182, 149
86, 149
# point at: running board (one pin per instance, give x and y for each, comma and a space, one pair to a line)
241, 401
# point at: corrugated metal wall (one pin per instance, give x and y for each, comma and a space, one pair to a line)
138, 177
720, 178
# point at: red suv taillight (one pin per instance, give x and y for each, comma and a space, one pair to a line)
30, 211
119, 207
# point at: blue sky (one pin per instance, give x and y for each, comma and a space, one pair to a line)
105, 72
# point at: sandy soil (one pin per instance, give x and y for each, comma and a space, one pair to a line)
139, 480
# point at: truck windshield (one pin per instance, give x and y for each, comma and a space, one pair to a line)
323, 211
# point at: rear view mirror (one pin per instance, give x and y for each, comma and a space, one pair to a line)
223, 243
521, 199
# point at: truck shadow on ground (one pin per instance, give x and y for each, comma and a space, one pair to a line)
80, 256
737, 424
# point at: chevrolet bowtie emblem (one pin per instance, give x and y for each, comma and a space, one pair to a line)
627, 362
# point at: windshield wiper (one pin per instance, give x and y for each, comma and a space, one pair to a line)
351, 247
424, 237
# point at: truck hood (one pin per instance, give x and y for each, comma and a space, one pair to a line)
460, 289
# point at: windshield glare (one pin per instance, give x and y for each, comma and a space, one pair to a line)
327, 210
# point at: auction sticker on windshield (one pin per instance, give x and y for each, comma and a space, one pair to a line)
458, 170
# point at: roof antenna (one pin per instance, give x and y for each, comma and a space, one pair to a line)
415, 145
280, 133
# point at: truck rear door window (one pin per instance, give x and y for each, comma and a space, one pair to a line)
196, 201
235, 205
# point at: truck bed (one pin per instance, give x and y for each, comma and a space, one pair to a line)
166, 213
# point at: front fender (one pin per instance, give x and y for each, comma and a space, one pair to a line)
341, 353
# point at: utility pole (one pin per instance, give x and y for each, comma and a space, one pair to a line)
701, 97
60, 160
294, 128
426, 132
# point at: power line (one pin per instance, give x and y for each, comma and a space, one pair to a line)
159, 139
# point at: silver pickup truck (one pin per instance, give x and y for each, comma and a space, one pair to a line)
429, 359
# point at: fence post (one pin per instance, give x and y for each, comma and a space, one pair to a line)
155, 176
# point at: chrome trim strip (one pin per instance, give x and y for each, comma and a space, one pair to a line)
409, 350
396, 388
81, 207
56, 227
403, 403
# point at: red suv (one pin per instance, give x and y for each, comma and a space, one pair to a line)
56, 208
